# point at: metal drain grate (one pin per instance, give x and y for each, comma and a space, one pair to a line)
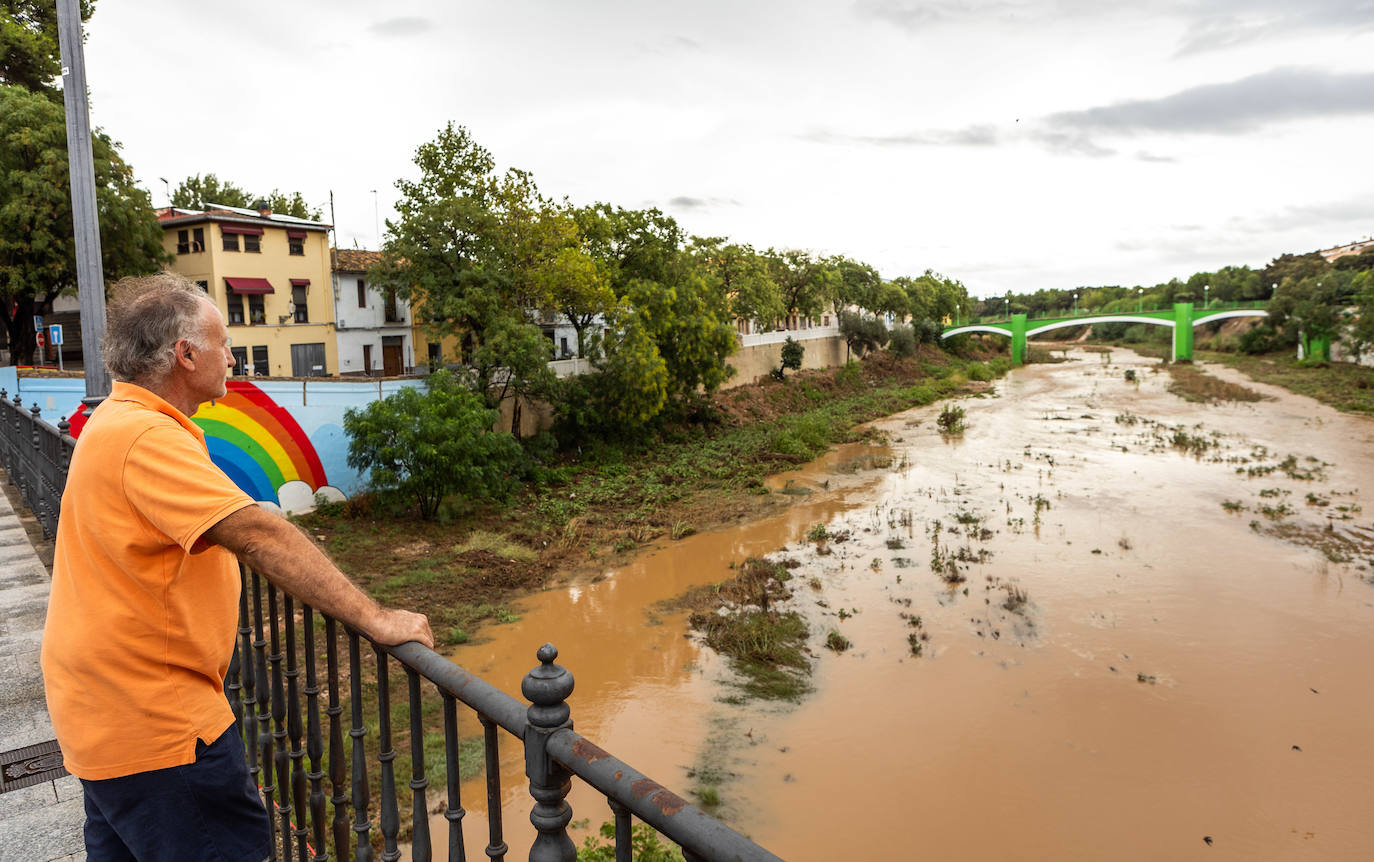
32, 764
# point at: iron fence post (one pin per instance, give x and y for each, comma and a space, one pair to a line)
547, 688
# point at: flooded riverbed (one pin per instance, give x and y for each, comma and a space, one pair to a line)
1164, 634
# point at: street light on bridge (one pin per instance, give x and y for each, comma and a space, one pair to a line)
1075, 305
1139, 303
1205, 288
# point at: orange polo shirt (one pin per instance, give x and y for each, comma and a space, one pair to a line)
143, 612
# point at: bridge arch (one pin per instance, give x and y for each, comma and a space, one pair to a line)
1181, 320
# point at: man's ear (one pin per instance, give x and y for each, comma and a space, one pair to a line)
182, 351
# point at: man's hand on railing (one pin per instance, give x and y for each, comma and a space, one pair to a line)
392, 627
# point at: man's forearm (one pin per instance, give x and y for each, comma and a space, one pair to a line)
284, 555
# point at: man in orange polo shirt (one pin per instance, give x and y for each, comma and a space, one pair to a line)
144, 604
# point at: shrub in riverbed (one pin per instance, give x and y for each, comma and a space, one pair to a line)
951, 419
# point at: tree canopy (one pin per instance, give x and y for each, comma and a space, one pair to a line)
29, 53
37, 238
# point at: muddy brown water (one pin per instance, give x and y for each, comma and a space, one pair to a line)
1175, 674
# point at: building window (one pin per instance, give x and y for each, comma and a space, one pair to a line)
252, 242
296, 244
362, 294
433, 351
391, 314
260, 366
183, 242
367, 359
298, 297
235, 309
204, 286
307, 360
563, 347
198, 239
231, 242
257, 315
240, 360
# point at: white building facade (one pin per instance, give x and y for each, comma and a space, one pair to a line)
373, 328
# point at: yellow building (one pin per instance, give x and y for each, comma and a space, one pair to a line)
270, 276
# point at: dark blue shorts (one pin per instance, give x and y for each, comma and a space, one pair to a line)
208, 810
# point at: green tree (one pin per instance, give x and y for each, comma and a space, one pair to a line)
806, 282
743, 276
861, 333
37, 238
854, 284
29, 52
687, 325
426, 444
792, 353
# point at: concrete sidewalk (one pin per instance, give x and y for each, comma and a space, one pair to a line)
42, 822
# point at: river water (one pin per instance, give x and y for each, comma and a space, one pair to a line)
1178, 673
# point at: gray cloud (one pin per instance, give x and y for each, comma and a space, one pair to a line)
1234, 107
687, 202
1208, 25
1218, 24
404, 26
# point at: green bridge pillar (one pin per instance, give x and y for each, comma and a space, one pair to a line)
1183, 331
1018, 339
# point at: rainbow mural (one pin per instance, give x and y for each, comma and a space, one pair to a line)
257, 443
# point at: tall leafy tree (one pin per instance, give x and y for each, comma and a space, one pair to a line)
806, 282
29, 52
743, 276
37, 244
470, 250
689, 328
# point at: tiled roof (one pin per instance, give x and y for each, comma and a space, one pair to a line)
355, 259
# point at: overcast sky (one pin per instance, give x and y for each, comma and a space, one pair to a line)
1012, 145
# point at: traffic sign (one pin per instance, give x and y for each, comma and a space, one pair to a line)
38, 323
55, 334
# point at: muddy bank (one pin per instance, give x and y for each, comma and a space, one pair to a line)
1184, 661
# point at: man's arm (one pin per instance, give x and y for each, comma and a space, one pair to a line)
276, 549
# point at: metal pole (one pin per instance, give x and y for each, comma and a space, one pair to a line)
90, 281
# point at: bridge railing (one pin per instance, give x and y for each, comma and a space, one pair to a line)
35, 456
297, 672
1128, 308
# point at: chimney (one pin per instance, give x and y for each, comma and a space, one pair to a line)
263, 209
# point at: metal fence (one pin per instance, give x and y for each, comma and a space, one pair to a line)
35, 456
285, 727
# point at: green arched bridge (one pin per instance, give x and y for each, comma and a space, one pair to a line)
1181, 318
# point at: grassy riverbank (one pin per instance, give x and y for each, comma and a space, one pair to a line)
589, 512
1342, 385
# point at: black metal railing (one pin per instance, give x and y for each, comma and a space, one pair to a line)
285, 728
35, 456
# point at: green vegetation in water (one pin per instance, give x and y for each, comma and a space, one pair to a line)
1192, 384
738, 618
951, 420
837, 642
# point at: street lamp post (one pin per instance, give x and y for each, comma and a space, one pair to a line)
1075, 305
1205, 288
1139, 303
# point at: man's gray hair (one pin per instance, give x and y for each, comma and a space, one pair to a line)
147, 315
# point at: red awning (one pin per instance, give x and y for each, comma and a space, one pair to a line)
249, 285
299, 282
241, 228
296, 234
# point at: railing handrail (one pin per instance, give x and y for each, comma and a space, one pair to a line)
483, 697
651, 802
